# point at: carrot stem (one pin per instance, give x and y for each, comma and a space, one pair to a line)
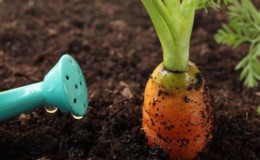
173, 22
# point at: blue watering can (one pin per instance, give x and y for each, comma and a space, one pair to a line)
63, 87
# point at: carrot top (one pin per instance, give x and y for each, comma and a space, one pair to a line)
243, 28
173, 22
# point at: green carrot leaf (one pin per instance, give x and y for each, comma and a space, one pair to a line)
173, 21
243, 27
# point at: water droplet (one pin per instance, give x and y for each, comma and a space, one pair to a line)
76, 117
50, 109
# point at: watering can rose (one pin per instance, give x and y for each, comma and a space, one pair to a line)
63, 87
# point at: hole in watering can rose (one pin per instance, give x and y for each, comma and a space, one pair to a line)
75, 100
76, 86
80, 83
67, 77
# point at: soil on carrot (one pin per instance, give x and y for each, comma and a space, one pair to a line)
117, 48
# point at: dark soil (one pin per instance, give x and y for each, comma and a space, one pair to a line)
116, 45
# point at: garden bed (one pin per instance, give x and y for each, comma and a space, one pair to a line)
117, 48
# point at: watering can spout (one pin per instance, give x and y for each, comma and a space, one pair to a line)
63, 87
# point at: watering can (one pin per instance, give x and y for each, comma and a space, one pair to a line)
64, 87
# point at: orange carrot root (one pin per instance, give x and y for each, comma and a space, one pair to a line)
177, 112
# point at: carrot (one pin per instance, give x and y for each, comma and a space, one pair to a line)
177, 111
177, 116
